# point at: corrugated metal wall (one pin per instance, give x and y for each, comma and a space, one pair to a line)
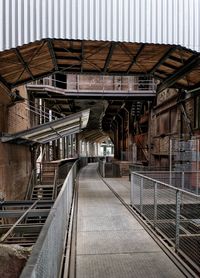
152, 21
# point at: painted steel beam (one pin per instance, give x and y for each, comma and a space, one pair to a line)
22, 228
25, 65
18, 213
162, 60
52, 54
135, 58
185, 69
36, 77
6, 235
176, 59
109, 57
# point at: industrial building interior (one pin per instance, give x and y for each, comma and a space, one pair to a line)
90, 124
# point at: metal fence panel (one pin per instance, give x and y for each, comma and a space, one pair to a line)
170, 210
46, 256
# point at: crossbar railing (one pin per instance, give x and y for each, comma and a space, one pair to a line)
103, 84
46, 257
172, 212
186, 180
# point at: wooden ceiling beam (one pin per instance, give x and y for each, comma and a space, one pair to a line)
24, 64
176, 59
72, 50
39, 76
109, 57
163, 59
82, 55
5, 83
135, 58
185, 69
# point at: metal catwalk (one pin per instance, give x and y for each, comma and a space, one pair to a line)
110, 241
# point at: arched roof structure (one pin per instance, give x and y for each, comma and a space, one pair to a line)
123, 37
108, 37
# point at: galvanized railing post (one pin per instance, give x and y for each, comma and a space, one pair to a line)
155, 204
178, 206
104, 170
182, 180
141, 194
132, 189
170, 161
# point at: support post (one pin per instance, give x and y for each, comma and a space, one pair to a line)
183, 180
170, 161
132, 189
197, 169
155, 204
178, 203
141, 195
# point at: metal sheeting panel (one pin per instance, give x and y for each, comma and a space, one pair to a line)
52, 130
147, 21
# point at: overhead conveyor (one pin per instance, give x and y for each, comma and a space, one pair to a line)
50, 131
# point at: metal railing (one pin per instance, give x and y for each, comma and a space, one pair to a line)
46, 256
172, 212
188, 181
101, 167
29, 114
103, 84
32, 182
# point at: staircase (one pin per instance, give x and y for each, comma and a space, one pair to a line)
45, 190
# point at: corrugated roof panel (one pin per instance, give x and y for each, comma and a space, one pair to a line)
147, 21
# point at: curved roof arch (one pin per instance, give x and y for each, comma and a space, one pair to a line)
174, 22
174, 66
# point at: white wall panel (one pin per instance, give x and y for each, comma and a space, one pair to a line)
151, 21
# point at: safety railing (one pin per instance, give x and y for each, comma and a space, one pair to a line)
189, 181
101, 167
60, 176
32, 182
46, 256
28, 114
172, 212
125, 84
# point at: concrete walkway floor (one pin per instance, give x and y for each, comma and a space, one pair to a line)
110, 241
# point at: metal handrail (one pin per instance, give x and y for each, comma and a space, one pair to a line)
55, 184
116, 85
46, 257
171, 212
30, 184
142, 175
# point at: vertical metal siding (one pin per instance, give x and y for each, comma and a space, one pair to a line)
151, 21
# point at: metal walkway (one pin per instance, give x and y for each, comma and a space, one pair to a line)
110, 241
